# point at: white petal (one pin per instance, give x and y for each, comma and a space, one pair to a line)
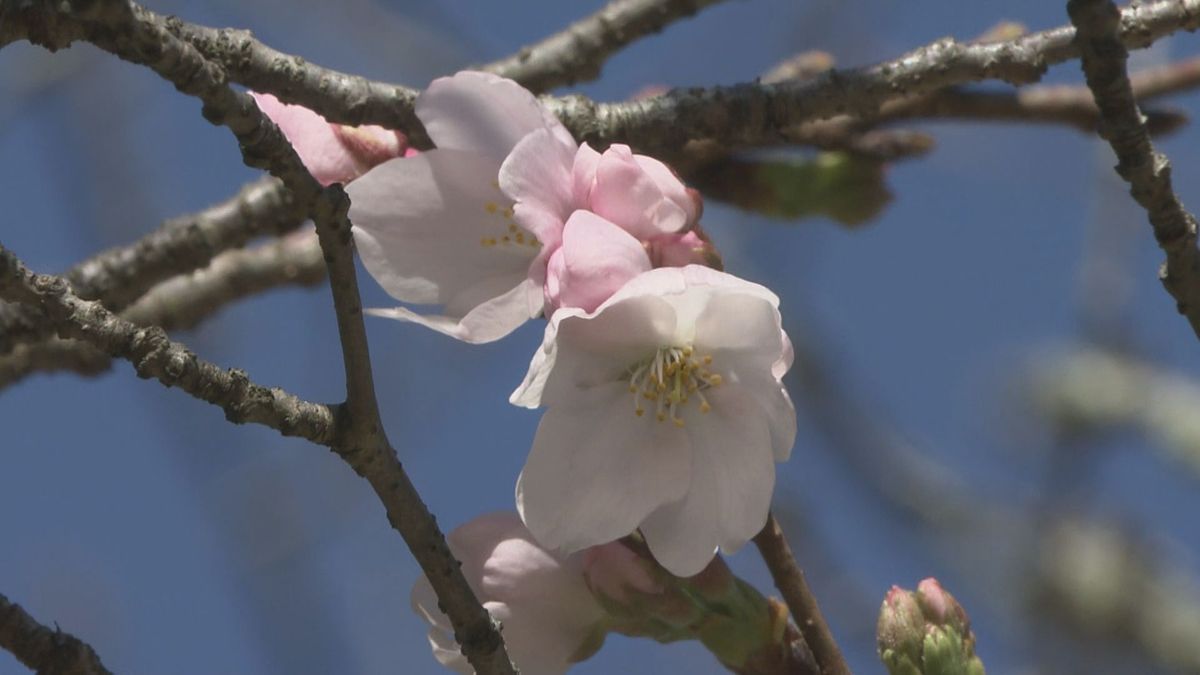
742, 332
745, 327
420, 223
481, 112
441, 634
596, 470
600, 348
486, 322
529, 393
733, 476
596, 348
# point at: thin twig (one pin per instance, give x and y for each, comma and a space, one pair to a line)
154, 355
578, 53
139, 36
180, 303
1148, 172
789, 579
1064, 104
44, 650
121, 275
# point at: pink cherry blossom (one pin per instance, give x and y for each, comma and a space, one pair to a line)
549, 617
332, 153
436, 229
595, 259
665, 411
473, 225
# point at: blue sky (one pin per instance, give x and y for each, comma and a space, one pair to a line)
138, 519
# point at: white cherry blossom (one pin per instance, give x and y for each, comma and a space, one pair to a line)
665, 411
549, 617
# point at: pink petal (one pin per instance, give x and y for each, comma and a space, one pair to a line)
597, 258
628, 196
583, 174
670, 185
483, 113
537, 176
679, 249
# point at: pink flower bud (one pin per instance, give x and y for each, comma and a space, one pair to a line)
332, 153
615, 572
549, 616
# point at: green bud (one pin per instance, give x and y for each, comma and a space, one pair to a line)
901, 628
926, 633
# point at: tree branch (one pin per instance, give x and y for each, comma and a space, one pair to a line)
578, 53
1070, 105
154, 355
46, 651
745, 114
119, 276
181, 303
789, 579
1148, 172
755, 113
139, 36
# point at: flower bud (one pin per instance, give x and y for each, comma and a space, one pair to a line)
926, 633
549, 617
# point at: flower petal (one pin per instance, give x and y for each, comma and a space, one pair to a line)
483, 113
596, 470
313, 139
742, 332
597, 259
441, 634
537, 176
732, 479
486, 322
597, 350
672, 188
422, 226
583, 174
625, 194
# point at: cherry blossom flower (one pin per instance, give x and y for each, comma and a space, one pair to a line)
549, 617
665, 412
435, 229
473, 224
332, 153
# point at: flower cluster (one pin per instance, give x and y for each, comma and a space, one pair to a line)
660, 375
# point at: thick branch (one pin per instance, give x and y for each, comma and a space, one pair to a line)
44, 650
578, 53
789, 579
745, 114
121, 275
136, 35
756, 114
1148, 172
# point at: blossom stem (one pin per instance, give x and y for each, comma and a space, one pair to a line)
789, 579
